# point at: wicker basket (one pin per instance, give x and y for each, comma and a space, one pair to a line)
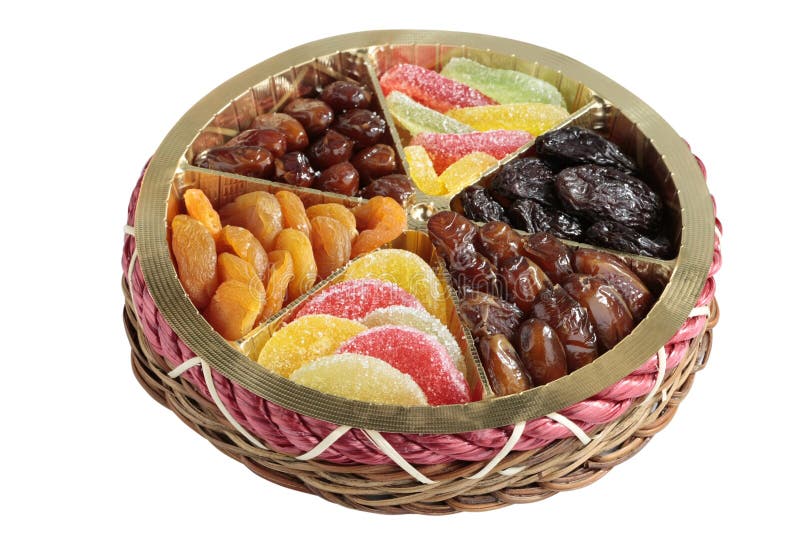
518, 454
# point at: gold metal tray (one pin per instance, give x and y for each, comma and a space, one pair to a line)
593, 100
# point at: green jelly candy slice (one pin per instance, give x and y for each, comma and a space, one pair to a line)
416, 118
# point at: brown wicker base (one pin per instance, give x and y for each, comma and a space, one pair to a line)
562, 465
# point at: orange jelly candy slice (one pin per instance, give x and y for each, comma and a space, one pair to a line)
234, 308
304, 340
243, 244
195, 258
199, 208
293, 211
330, 241
279, 275
304, 266
379, 221
259, 212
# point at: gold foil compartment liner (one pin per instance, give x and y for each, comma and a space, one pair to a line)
420, 244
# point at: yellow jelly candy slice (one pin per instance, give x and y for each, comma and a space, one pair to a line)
405, 269
420, 167
535, 118
361, 378
304, 340
466, 171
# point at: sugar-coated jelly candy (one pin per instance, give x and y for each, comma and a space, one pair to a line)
379, 221
417, 354
416, 118
406, 270
420, 167
465, 171
502, 85
445, 149
420, 320
304, 340
259, 212
234, 308
195, 259
431, 88
535, 118
305, 268
361, 378
355, 298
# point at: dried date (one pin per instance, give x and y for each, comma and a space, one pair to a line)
296, 136
497, 241
571, 322
452, 234
531, 216
250, 161
504, 368
474, 272
522, 281
314, 115
398, 187
541, 352
486, 314
343, 95
619, 237
605, 193
575, 145
549, 254
607, 310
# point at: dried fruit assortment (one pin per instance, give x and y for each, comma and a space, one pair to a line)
242, 265
536, 308
333, 140
579, 186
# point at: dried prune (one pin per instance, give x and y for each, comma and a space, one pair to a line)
477, 204
331, 148
605, 193
526, 178
295, 169
531, 216
616, 273
313, 114
498, 241
504, 368
398, 187
486, 314
623, 238
571, 323
343, 95
522, 281
549, 254
607, 310
250, 161
452, 235
365, 127
576, 145
541, 352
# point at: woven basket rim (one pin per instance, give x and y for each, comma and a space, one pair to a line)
690, 271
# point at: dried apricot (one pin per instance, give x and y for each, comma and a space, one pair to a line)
233, 309
305, 269
199, 208
195, 258
243, 244
379, 221
293, 210
232, 268
330, 241
259, 212
335, 211
276, 282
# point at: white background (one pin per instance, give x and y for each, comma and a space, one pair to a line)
88, 93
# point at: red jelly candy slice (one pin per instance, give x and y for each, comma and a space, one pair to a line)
417, 354
356, 298
431, 88
445, 149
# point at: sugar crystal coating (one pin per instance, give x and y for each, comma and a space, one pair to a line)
431, 88
417, 354
416, 118
535, 118
355, 298
445, 149
420, 320
503, 85
420, 167
465, 171
406, 270
361, 378
304, 340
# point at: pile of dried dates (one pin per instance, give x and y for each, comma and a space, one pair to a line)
579, 186
536, 308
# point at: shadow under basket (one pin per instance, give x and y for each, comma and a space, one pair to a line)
433, 469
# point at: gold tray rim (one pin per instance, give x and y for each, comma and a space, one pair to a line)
690, 270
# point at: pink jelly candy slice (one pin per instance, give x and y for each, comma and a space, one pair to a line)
431, 88
417, 354
445, 149
355, 298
